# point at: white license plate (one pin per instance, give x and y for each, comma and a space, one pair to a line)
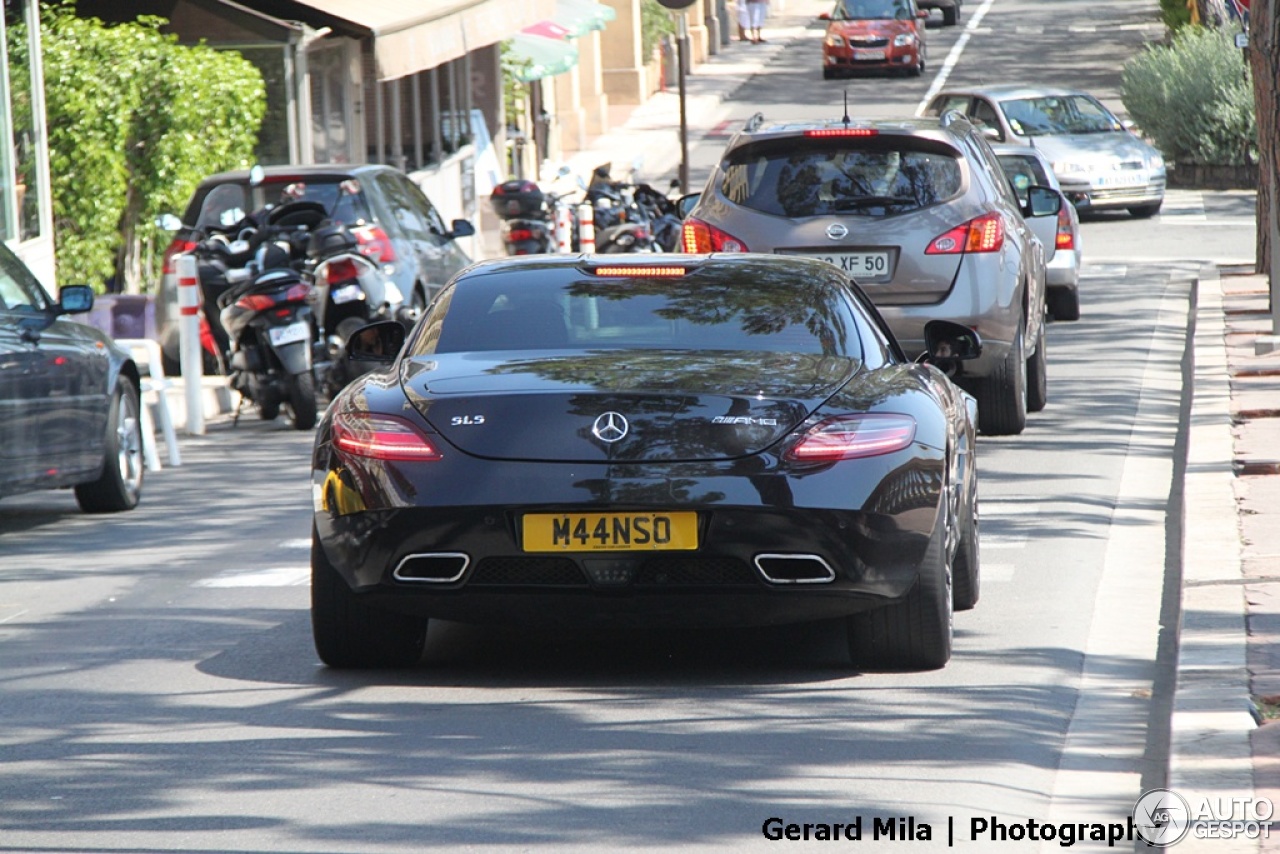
347, 293
281, 335
862, 266
1124, 179
868, 55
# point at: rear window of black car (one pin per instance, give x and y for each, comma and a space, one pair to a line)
227, 204
873, 177
511, 313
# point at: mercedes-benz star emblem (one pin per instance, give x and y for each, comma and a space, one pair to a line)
1161, 817
837, 231
610, 427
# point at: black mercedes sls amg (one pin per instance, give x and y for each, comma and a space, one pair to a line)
707, 439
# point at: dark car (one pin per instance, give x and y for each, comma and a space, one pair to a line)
391, 218
723, 440
950, 9
919, 213
69, 398
886, 35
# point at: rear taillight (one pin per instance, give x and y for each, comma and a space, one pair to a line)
825, 132
177, 247
983, 234
341, 270
1066, 238
698, 238
519, 235
641, 271
374, 242
262, 302
849, 437
381, 437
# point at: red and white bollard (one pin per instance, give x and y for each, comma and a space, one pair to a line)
586, 228
564, 229
192, 360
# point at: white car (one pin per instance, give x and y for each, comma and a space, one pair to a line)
1101, 164
1025, 167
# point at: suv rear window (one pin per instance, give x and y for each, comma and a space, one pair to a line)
227, 204
878, 176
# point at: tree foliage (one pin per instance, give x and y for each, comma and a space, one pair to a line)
1193, 98
135, 122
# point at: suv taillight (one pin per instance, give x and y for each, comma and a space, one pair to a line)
698, 238
981, 234
177, 247
1065, 239
374, 242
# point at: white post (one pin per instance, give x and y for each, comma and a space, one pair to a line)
189, 341
586, 228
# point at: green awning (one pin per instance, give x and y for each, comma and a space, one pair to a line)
533, 57
580, 17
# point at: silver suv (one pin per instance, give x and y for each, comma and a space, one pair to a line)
919, 214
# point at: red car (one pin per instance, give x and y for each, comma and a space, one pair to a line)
874, 34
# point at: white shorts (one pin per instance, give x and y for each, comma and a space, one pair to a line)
756, 13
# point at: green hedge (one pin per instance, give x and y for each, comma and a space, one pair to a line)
1175, 13
1192, 99
135, 122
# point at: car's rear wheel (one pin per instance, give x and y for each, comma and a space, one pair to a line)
951, 17
914, 633
1064, 303
1145, 211
119, 487
1038, 374
1002, 396
828, 73
348, 633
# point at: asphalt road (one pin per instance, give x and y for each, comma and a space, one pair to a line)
161, 692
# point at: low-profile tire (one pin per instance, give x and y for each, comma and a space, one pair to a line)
1064, 303
1038, 374
302, 401
119, 487
966, 576
348, 633
1002, 396
951, 17
1145, 211
828, 74
915, 632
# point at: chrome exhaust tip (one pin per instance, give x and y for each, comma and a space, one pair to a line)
794, 569
432, 568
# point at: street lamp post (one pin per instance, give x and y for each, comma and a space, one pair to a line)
682, 63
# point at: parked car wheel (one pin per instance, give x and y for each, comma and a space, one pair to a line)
349, 634
1064, 303
1002, 396
915, 633
1145, 211
966, 578
120, 485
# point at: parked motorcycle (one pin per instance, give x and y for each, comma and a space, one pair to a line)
263, 309
528, 214
621, 223
350, 290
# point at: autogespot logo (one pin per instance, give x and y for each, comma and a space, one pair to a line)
1161, 817
610, 427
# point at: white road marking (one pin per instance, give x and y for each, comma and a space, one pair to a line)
1104, 271
276, 576
1182, 206
998, 572
953, 56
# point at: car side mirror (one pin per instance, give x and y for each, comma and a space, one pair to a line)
378, 342
945, 341
461, 228
686, 203
1042, 201
75, 299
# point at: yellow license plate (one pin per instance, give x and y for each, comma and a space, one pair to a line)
610, 532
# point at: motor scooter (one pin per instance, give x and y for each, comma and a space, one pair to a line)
349, 291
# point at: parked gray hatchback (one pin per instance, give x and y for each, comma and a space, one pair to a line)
919, 214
